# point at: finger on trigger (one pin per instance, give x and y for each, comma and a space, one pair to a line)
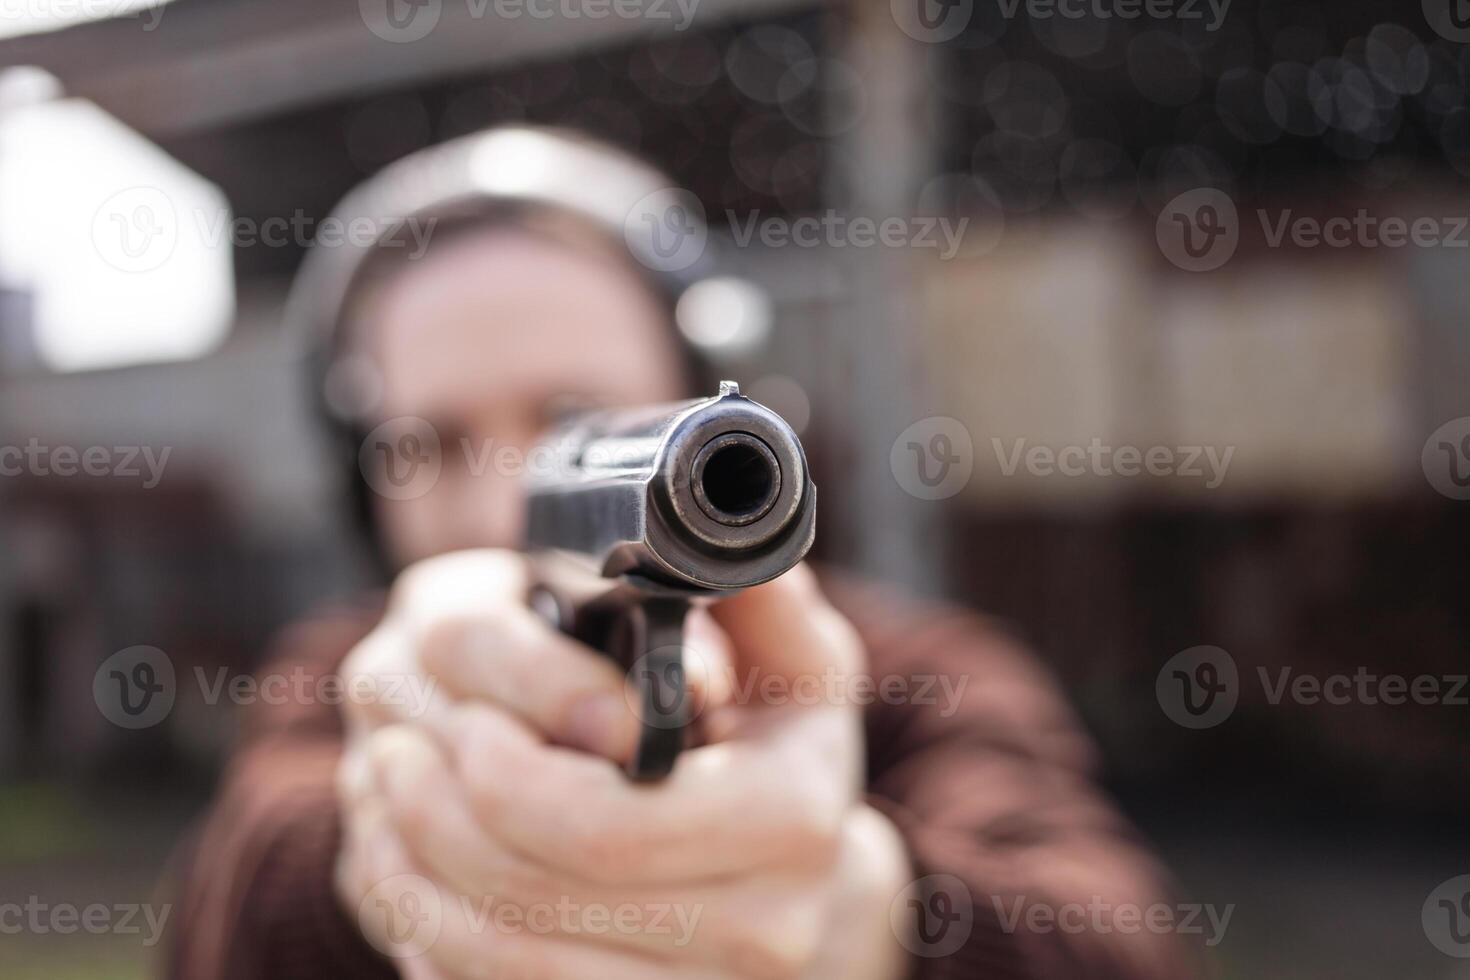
568, 692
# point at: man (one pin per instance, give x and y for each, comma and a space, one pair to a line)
487, 830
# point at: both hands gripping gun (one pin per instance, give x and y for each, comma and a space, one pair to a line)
650, 510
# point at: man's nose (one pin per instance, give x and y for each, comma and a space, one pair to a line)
492, 510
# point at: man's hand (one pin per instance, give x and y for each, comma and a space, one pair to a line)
494, 834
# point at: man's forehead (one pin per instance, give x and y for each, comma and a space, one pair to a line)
520, 321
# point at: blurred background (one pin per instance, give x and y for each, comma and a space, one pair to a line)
1307, 399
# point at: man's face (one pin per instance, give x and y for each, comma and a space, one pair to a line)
488, 338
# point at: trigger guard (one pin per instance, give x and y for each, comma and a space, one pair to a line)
663, 695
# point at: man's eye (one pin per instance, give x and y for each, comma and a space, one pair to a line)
451, 441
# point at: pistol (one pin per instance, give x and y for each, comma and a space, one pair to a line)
637, 514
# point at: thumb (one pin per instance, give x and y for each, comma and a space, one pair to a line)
787, 628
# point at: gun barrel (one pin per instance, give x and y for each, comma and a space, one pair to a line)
709, 494
735, 479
